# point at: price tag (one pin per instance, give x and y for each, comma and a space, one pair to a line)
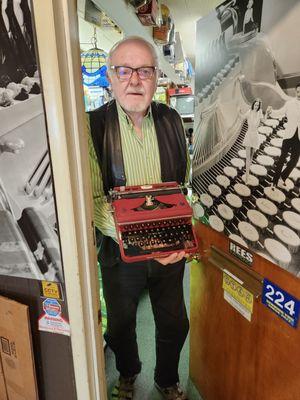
281, 303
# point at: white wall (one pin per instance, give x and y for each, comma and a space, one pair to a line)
281, 23
106, 37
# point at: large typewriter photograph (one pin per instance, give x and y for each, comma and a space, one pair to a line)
29, 242
152, 221
241, 121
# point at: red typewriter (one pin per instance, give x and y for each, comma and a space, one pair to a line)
152, 221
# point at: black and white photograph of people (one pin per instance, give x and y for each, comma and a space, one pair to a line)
291, 140
254, 117
248, 23
246, 169
29, 242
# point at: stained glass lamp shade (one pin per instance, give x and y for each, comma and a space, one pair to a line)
93, 66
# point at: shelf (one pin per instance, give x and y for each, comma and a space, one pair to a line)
124, 16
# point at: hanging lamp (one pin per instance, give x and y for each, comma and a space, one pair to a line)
93, 65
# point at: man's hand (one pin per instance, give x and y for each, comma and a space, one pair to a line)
269, 110
172, 258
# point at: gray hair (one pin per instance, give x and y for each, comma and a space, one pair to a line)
132, 39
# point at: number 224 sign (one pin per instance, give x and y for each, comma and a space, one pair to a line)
281, 303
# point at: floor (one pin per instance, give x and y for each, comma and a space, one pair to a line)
145, 332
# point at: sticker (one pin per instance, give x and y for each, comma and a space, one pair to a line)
52, 290
238, 292
281, 303
52, 320
241, 253
238, 306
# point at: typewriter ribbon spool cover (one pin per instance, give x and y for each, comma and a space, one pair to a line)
152, 221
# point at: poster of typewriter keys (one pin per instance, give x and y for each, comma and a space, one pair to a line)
29, 242
246, 168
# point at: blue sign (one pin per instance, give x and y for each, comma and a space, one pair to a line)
281, 303
52, 307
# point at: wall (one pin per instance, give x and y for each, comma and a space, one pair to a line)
106, 37
280, 19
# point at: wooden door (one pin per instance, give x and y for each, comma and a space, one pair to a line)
230, 357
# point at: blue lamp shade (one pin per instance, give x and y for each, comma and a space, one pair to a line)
93, 67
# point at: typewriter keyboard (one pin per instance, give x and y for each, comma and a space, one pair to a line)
157, 236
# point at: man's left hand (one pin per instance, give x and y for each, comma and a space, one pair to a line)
172, 258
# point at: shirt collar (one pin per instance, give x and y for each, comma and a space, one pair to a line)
125, 117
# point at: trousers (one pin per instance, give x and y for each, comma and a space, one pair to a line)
291, 145
123, 283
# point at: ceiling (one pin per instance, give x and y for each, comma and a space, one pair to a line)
185, 14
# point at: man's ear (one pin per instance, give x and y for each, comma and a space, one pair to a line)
108, 77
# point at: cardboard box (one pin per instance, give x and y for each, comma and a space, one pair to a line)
148, 14
16, 352
3, 393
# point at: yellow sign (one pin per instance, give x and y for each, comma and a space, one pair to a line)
51, 289
238, 292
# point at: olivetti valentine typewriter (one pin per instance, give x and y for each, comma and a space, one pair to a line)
152, 221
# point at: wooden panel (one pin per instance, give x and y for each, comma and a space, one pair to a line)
231, 358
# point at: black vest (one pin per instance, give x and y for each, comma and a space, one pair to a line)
105, 132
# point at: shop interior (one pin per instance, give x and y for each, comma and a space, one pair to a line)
101, 25
218, 60
200, 72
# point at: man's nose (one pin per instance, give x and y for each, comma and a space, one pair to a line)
135, 79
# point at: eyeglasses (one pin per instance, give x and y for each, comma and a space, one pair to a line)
125, 73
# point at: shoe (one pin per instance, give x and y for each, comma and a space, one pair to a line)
173, 392
123, 389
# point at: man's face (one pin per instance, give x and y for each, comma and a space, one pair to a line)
134, 95
298, 92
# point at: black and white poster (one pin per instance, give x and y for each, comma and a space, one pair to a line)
29, 242
246, 168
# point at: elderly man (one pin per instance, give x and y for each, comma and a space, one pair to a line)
291, 140
135, 141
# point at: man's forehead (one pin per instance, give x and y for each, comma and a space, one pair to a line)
130, 46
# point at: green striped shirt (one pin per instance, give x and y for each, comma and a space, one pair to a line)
141, 165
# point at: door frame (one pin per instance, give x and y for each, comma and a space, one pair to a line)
57, 38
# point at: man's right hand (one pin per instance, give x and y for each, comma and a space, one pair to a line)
172, 258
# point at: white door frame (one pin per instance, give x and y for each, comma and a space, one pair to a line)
59, 58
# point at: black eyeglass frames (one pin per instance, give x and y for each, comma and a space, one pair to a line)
125, 73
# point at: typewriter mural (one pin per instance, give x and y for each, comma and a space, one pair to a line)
241, 57
29, 243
